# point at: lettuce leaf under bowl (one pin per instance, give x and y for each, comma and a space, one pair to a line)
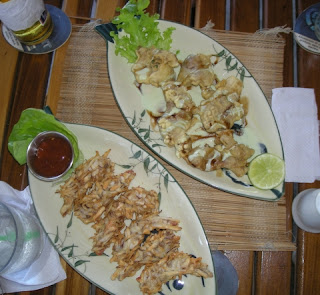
140, 30
31, 123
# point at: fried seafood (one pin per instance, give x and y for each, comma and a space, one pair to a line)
155, 247
174, 265
230, 85
154, 66
202, 131
178, 95
107, 230
134, 235
92, 205
136, 202
237, 161
128, 219
173, 129
93, 170
196, 70
223, 109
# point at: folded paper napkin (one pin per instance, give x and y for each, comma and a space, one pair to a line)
44, 271
296, 113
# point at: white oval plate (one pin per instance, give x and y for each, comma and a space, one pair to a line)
71, 237
260, 134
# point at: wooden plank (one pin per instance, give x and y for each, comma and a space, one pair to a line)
213, 11
308, 75
8, 61
244, 16
273, 267
105, 10
154, 7
273, 264
307, 261
29, 92
243, 262
177, 10
275, 14
45, 291
77, 9
75, 283
100, 292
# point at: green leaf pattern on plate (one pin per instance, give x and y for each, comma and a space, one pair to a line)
231, 64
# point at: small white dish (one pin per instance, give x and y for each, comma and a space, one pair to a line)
306, 210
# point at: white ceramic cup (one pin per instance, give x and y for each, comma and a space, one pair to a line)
306, 210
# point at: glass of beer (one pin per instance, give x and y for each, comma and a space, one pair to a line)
28, 20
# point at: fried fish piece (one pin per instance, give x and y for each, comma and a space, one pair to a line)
134, 235
94, 169
178, 95
154, 66
196, 70
202, 157
136, 202
91, 206
107, 230
155, 247
173, 127
212, 113
175, 264
221, 112
237, 162
230, 85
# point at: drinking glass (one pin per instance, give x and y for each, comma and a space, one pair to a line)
29, 20
21, 239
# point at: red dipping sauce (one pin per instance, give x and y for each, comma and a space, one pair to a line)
50, 155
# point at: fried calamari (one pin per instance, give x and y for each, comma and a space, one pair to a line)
125, 218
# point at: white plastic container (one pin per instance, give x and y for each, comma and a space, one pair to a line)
21, 239
306, 210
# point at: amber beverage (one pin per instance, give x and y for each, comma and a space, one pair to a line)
28, 20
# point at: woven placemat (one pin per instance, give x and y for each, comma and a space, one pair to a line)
231, 222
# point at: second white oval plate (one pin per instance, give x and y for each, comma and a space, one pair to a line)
261, 132
71, 237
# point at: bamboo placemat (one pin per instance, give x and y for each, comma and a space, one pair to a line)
231, 222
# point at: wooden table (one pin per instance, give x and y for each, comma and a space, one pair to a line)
24, 79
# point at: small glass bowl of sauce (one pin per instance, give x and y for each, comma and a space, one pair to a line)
49, 155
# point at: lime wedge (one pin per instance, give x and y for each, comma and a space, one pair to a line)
266, 171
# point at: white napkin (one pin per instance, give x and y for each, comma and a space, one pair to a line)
296, 113
47, 269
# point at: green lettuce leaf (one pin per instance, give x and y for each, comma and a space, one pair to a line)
141, 30
31, 123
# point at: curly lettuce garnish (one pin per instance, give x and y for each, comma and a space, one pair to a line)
140, 30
